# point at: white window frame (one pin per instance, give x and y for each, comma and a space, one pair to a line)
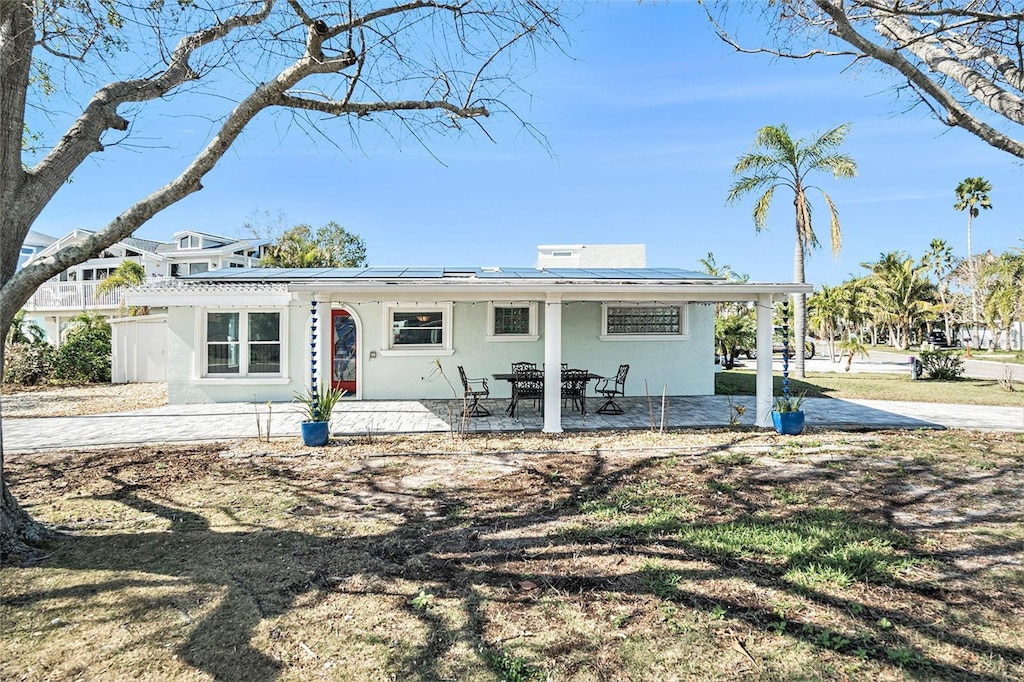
532, 335
202, 376
684, 323
444, 348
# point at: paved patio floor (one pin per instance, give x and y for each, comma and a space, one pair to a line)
228, 421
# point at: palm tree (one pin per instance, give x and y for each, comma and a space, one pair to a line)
777, 160
127, 274
1004, 302
972, 196
939, 258
903, 294
823, 308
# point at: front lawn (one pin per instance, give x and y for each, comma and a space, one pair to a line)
612, 556
854, 385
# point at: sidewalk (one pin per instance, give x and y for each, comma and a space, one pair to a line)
231, 421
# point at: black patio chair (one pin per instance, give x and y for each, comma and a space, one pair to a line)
472, 391
611, 388
527, 384
574, 388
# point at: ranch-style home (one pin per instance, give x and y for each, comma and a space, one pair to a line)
244, 334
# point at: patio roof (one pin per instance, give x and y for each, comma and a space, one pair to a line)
467, 283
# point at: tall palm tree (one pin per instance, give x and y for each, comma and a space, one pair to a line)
939, 257
777, 160
972, 196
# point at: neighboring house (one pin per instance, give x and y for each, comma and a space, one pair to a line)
33, 244
260, 334
74, 290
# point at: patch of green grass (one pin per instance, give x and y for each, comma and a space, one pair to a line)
732, 459
648, 498
720, 486
658, 580
789, 496
822, 546
510, 668
876, 387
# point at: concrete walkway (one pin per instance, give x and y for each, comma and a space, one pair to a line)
230, 421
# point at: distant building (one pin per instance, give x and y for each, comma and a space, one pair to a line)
591, 256
33, 244
74, 290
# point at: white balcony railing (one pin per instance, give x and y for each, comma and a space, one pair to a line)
73, 296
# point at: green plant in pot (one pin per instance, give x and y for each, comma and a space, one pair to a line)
787, 417
317, 407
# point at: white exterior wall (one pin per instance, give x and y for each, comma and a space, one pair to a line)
184, 385
683, 367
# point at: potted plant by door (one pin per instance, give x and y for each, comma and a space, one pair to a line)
787, 417
317, 406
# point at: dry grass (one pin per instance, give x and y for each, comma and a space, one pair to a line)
707, 555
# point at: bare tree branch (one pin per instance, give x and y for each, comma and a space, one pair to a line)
964, 61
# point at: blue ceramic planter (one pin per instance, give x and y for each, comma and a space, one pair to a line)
788, 423
315, 434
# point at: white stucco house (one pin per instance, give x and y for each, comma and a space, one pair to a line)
244, 334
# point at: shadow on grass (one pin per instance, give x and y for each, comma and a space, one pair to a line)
479, 544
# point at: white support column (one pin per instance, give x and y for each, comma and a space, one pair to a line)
553, 364
763, 384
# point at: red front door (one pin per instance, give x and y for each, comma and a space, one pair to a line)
343, 343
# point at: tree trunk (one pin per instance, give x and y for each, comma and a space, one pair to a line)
20, 534
799, 309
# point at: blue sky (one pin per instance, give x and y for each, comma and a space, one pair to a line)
644, 120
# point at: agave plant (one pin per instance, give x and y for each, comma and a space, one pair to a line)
317, 406
788, 403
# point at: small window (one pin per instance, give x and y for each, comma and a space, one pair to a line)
175, 269
644, 320
227, 355
422, 328
197, 268
87, 275
418, 330
512, 322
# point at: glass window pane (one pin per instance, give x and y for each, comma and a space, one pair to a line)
222, 327
222, 358
644, 320
196, 268
512, 320
264, 326
422, 328
264, 358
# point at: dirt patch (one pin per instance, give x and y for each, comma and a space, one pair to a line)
586, 557
72, 401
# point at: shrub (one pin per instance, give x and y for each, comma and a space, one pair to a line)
938, 364
84, 356
27, 364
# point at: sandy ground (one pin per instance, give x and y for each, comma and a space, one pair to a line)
71, 401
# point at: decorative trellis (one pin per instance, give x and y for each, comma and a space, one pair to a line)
313, 383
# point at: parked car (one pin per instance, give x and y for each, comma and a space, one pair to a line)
939, 339
777, 348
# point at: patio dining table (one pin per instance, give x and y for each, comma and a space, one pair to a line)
533, 376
